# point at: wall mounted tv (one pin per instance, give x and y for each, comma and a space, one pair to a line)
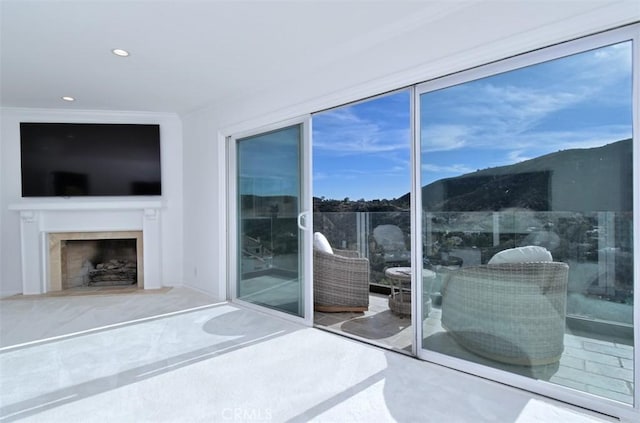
89, 159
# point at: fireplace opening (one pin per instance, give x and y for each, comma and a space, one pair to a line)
98, 262
95, 259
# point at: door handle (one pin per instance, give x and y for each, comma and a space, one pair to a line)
302, 221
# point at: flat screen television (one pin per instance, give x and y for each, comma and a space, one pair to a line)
89, 159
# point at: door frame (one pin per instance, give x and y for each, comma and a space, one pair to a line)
305, 218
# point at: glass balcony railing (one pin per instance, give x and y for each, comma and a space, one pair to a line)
597, 247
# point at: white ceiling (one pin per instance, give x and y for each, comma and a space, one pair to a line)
186, 54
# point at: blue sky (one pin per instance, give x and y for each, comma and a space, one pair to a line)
362, 150
582, 101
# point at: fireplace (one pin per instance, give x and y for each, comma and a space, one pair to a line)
95, 259
44, 224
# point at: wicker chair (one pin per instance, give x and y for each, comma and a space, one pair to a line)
513, 312
390, 240
340, 281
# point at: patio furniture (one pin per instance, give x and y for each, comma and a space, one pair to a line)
441, 269
340, 278
508, 312
390, 240
400, 296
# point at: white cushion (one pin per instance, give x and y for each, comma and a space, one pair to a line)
320, 243
527, 254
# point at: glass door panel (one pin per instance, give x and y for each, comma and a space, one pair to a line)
269, 201
362, 184
527, 221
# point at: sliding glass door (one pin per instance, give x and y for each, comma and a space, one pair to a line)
486, 220
269, 227
362, 183
527, 220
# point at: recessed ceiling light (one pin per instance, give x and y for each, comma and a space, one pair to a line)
120, 52
68, 98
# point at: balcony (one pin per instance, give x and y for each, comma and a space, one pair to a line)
598, 334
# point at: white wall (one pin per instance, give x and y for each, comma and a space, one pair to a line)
2, 207
172, 170
204, 205
481, 34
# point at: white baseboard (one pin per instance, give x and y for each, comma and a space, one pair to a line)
9, 293
202, 291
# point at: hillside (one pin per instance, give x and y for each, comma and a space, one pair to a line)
554, 181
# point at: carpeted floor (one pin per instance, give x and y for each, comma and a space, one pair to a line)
221, 363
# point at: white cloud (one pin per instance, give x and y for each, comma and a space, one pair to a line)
513, 109
343, 132
493, 115
319, 176
565, 140
444, 137
350, 174
606, 64
516, 156
453, 169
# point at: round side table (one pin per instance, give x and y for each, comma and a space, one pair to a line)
400, 298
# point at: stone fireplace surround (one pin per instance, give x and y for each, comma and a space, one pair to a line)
39, 220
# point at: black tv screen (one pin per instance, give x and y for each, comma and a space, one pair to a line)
89, 159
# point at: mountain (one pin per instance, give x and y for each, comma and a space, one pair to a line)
555, 181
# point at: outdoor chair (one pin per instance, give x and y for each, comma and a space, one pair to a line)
340, 278
508, 312
390, 240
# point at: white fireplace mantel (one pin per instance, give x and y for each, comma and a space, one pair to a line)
64, 204
39, 218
